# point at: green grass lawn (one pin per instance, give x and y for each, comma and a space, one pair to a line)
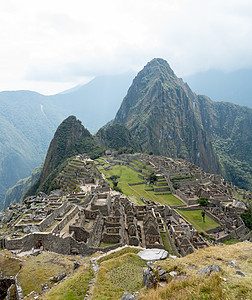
118, 275
195, 218
231, 241
102, 244
128, 175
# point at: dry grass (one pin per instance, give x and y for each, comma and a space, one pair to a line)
208, 288
8, 265
37, 270
72, 288
223, 285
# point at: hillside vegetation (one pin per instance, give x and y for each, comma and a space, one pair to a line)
17, 192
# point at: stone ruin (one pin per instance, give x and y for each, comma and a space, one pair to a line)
99, 219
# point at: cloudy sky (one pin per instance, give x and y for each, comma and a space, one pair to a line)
49, 46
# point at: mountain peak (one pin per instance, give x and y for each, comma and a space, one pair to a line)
160, 65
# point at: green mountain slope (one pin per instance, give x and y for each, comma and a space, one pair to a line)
17, 192
117, 136
230, 128
71, 138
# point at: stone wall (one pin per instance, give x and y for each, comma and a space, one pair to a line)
105, 208
141, 176
111, 238
96, 232
161, 189
48, 221
216, 219
135, 169
136, 183
80, 234
241, 230
69, 216
55, 243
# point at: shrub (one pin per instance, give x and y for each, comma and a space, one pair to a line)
203, 201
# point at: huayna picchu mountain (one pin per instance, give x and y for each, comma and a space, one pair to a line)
70, 138
165, 117
159, 111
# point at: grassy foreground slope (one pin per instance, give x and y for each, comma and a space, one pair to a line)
122, 271
74, 287
218, 286
37, 270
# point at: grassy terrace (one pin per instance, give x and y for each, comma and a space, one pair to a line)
195, 218
128, 175
120, 272
39, 269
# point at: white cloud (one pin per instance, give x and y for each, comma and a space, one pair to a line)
51, 45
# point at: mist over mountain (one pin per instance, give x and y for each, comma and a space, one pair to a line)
96, 102
220, 86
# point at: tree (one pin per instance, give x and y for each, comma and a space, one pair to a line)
203, 214
203, 201
152, 178
247, 215
115, 183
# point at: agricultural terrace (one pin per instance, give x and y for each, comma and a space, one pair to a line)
128, 175
195, 218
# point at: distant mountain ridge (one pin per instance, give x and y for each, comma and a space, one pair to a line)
96, 102
27, 123
222, 86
